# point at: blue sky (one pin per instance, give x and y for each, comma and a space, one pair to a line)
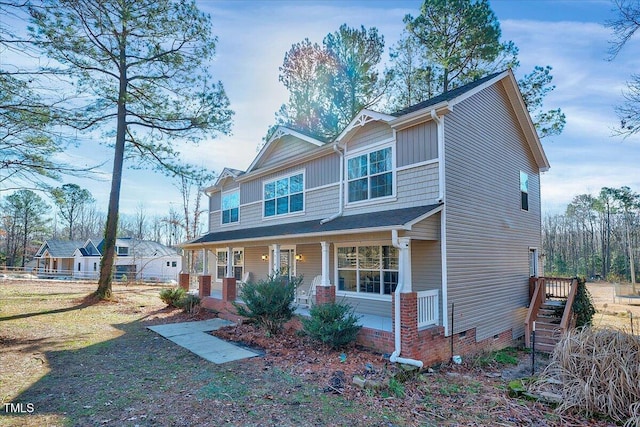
253, 37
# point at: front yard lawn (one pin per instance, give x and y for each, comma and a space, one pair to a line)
66, 360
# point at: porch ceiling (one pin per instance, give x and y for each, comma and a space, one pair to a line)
361, 223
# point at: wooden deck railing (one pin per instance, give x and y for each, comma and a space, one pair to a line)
546, 288
428, 309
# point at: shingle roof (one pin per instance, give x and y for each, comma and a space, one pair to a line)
446, 96
385, 219
62, 248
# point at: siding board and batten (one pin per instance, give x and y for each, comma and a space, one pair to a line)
369, 134
417, 144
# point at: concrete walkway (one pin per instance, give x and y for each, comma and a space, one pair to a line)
194, 337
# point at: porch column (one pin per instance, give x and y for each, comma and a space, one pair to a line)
325, 264
229, 291
275, 267
205, 261
404, 264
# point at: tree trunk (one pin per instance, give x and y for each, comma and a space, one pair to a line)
104, 290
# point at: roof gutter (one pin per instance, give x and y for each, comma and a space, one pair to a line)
341, 187
395, 356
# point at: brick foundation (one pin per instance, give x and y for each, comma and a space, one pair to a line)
325, 294
204, 286
229, 289
183, 281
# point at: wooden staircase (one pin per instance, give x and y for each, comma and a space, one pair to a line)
549, 311
547, 325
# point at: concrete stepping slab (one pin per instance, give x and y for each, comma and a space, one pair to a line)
194, 337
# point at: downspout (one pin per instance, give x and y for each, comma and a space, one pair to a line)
341, 186
395, 356
443, 220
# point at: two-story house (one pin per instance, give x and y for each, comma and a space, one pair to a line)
426, 221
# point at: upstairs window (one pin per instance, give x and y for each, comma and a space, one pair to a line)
284, 195
370, 175
122, 250
231, 207
524, 191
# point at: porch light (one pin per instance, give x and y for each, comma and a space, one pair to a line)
265, 257
299, 257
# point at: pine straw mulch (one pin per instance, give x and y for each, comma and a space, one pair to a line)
471, 393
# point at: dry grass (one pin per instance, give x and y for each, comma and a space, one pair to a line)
599, 374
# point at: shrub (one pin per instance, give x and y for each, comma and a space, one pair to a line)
583, 305
269, 302
173, 296
333, 324
190, 303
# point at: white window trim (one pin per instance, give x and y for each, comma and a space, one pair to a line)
304, 195
394, 179
227, 224
219, 279
362, 295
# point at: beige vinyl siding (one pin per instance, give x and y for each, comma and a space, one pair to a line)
311, 264
215, 201
229, 185
214, 220
488, 235
427, 229
416, 186
426, 263
367, 306
369, 134
284, 148
254, 264
417, 144
318, 172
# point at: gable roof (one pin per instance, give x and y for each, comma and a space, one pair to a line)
359, 223
59, 248
280, 132
362, 118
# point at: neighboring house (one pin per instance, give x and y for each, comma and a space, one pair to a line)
135, 259
426, 221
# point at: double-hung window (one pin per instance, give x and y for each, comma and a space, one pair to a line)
524, 191
237, 264
371, 270
231, 207
370, 175
284, 195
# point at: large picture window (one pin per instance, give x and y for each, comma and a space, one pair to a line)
221, 264
370, 175
284, 195
231, 207
524, 191
368, 269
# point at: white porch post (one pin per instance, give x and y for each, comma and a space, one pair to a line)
404, 264
325, 264
205, 261
275, 266
229, 262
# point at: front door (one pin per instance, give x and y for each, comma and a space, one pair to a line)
287, 264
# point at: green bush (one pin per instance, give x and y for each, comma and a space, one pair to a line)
173, 296
583, 305
269, 302
190, 303
333, 324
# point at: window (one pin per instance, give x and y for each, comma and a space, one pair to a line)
123, 250
524, 191
174, 263
370, 175
168, 263
284, 195
221, 264
368, 269
79, 267
231, 207
95, 266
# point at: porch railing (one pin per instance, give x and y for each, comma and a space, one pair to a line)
545, 288
428, 310
557, 287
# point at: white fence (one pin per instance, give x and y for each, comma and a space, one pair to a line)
41, 273
428, 308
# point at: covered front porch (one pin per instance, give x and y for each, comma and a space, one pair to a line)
368, 267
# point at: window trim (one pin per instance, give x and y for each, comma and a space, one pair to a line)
222, 194
524, 193
277, 178
358, 294
367, 151
233, 250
